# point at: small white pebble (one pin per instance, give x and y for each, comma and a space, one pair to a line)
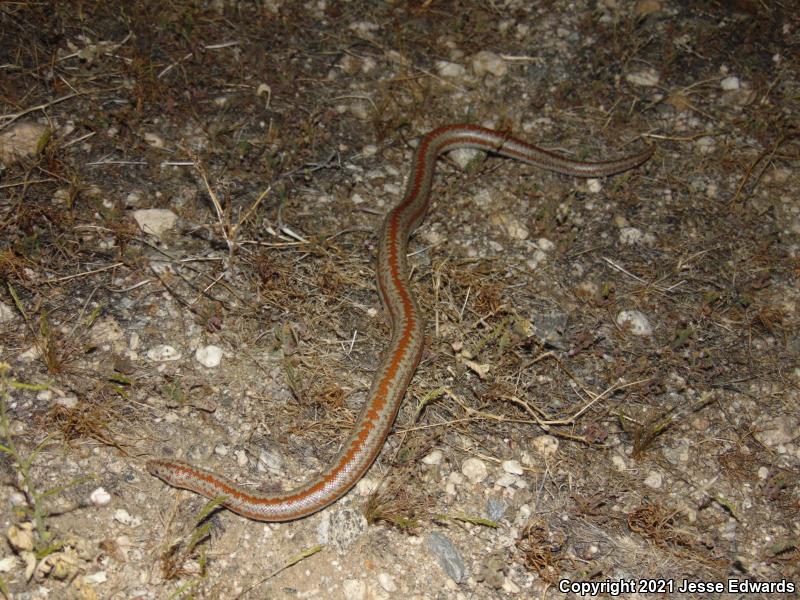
450, 69
485, 62
17, 499
123, 516
545, 445
155, 221
456, 478
209, 356
513, 466
434, 458
705, 144
594, 186
474, 469
462, 157
645, 78
100, 497
545, 245
163, 353
96, 577
7, 314
537, 258
366, 486
221, 450
506, 480
630, 236
730, 83
635, 322
8, 563
68, 402
154, 140
387, 582
653, 480
619, 463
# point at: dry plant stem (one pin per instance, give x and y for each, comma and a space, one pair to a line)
405, 348
229, 230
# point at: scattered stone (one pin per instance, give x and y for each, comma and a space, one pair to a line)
454, 479
463, 157
447, 555
594, 186
512, 226
653, 480
154, 140
22, 140
341, 528
495, 508
387, 582
492, 570
366, 486
485, 62
433, 458
123, 516
450, 69
221, 450
354, 589
506, 480
645, 78
545, 445
17, 499
730, 83
474, 469
163, 353
545, 245
360, 110
705, 144
7, 314
550, 329
209, 356
513, 466
739, 97
537, 258
155, 221
68, 402
629, 236
676, 455
365, 28
105, 331
133, 199
635, 322
100, 497
96, 577
619, 463
20, 537
777, 431
587, 289
8, 563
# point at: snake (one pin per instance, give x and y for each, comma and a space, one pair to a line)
402, 356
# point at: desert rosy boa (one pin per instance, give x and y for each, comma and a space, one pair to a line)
405, 348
